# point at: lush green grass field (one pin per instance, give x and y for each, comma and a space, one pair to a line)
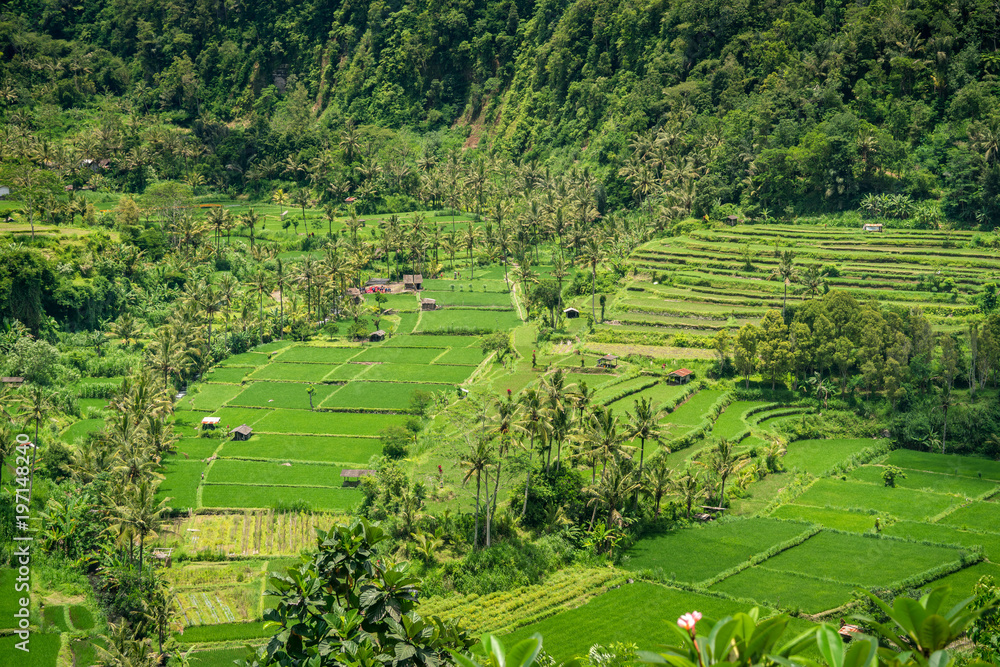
433, 340
55, 618
292, 395
43, 651
785, 590
468, 356
81, 617
8, 600
976, 515
695, 409
317, 355
347, 372
637, 613
245, 359
417, 373
241, 496
232, 471
946, 463
964, 581
818, 456
858, 522
211, 396
292, 372
81, 428
901, 503
856, 559
730, 423
326, 423
729, 544
220, 657
303, 448
232, 375
969, 487
934, 532
469, 298
380, 395
453, 320
233, 417
181, 482
222, 632
399, 355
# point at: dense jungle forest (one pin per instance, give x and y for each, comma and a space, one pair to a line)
499, 334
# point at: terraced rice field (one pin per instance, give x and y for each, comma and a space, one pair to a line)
314, 410
697, 284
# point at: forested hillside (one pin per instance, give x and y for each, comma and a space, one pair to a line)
778, 107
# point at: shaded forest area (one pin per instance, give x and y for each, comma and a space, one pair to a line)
793, 106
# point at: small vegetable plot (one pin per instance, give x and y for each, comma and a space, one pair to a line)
862, 560
900, 503
415, 373
326, 423
695, 409
455, 320
245, 495
818, 456
946, 463
399, 355
463, 356
968, 487
380, 395
428, 340
283, 395
232, 471
292, 372
212, 396
729, 545
326, 449
785, 590
317, 355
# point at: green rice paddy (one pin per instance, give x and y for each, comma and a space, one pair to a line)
898, 502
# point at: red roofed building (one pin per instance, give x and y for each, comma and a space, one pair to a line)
679, 376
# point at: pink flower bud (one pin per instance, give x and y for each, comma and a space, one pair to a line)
689, 621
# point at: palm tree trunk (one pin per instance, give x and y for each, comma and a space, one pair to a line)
527, 482
475, 535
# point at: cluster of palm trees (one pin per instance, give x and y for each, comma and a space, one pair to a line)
561, 424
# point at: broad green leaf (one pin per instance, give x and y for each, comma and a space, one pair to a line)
831, 646
523, 653
861, 653
939, 659
934, 633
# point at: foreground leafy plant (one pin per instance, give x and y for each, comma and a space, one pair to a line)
345, 606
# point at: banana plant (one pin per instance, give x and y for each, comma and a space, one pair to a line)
494, 654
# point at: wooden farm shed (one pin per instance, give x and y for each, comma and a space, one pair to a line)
242, 432
377, 336
680, 376
732, 220
428, 304
571, 313
352, 476
354, 294
608, 361
372, 282
13, 381
210, 422
414, 282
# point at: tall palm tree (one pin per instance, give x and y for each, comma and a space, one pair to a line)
787, 273
616, 486
657, 481
644, 423
470, 238
261, 286
250, 220
38, 402
690, 488
724, 461
476, 461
